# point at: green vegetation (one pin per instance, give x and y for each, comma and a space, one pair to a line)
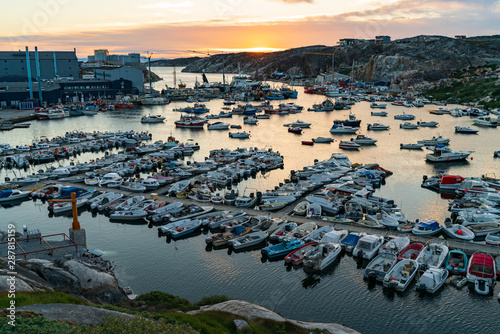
157, 312
40, 297
469, 92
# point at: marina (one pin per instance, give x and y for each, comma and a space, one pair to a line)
227, 271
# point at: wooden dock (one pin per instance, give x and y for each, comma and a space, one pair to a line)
467, 247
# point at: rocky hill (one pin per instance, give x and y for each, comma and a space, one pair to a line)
407, 62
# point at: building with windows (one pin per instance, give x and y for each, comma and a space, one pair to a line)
103, 56
132, 74
382, 39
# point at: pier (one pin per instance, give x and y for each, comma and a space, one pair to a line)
285, 213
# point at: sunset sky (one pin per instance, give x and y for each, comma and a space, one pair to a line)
170, 28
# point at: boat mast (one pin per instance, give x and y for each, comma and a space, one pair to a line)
175, 78
149, 62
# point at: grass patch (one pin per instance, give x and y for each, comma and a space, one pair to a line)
40, 297
161, 300
472, 91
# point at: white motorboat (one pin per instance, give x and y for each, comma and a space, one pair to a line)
485, 121
302, 230
408, 126
321, 258
459, 232
81, 200
342, 129
395, 246
150, 184
92, 181
405, 117
185, 228
246, 201
222, 217
349, 145
364, 140
318, 234
12, 195
434, 141
427, 227
301, 208
127, 204
411, 146
250, 120
375, 105
105, 201
280, 232
482, 272
298, 124
465, 129
430, 124
135, 187
385, 219
488, 229
239, 135
109, 178
378, 127
379, 113
322, 140
401, 275
129, 215
433, 255
48, 192
326, 203
248, 240
178, 187
152, 119
368, 246
447, 155
380, 266
432, 279
217, 126
276, 202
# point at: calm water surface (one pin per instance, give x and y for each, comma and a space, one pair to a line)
147, 262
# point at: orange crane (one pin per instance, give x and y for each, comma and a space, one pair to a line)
76, 223
327, 54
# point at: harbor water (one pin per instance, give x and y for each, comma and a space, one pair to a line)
186, 268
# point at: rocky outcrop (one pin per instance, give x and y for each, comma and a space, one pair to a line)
406, 63
253, 311
79, 314
70, 277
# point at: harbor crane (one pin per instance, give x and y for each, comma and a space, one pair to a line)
76, 223
327, 54
223, 64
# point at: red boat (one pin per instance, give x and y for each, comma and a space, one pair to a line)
295, 130
482, 272
451, 182
307, 142
315, 90
123, 105
297, 255
411, 251
193, 122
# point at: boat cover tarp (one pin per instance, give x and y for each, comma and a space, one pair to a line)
351, 240
482, 266
5, 193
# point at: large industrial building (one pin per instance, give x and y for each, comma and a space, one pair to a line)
53, 64
103, 56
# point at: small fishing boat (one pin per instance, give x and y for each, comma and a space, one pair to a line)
380, 266
481, 271
279, 233
301, 208
433, 255
375, 105
239, 135
221, 239
378, 127
432, 280
411, 251
395, 246
286, 246
321, 258
411, 146
408, 126
105, 201
379, 113
427, 227
364, 140
486, 229
185, 229
430, 124
295, 130
350, 241
405, 227
12, 195
322, 140
456, 262
459, 232
296, 256
135, 187
493, 239
152, 119
129, 215
401, 275
368, 246
302, 230
349, 145
318, 234
307, 142
248, 240
314, 210
404, 117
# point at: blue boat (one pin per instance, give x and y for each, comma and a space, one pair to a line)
282, 249
456, 262
350, 241
428, 227
66, 192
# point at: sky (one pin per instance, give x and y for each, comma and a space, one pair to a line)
173, 28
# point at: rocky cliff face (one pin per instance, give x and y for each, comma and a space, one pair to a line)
406, 63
